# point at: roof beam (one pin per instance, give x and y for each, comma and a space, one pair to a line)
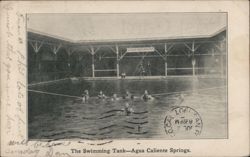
35, 45
55, 48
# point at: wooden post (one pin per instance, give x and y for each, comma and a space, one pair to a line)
166, 64
55, 49
221, 48
117, 61
93, 61
193, 59
69, 52
36, 48
193, 65
192, 49
221, 58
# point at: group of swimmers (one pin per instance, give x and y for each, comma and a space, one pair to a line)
128, 95
127, 108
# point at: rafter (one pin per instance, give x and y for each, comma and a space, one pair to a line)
159, 53
36, 45
55, 48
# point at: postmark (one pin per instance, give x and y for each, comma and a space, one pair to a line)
183, 121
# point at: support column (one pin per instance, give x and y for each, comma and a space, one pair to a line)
69, 52
193, 59
193, 65
93, 61
38, 63
117, 62
55, 49
166, 64
166, 68
220, 47
222, 67
36, 48
192, 49
221, 58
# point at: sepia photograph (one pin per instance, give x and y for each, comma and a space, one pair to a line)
124, 78
127, 75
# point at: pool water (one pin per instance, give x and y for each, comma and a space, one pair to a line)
59, 117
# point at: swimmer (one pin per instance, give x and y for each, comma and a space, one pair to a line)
146, 96
128, 110
128, 94
114, 97
85, 96
101, 95
132, 97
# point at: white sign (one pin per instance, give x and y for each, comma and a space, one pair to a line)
140, 49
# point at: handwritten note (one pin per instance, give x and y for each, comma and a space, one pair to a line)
7, 63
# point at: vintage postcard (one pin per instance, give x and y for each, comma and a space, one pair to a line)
125, 78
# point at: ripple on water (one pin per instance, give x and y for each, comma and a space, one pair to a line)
97, 119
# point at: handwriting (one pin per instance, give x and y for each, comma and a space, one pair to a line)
7, 66
18, 143
15, 61
20, 21
23, 152
8, 9
20, 124
51, 153
21, 63
9, 124
38, 144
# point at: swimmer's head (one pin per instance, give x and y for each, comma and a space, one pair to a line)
132, 97
100, 92
127, 104
86, 91
146, 92
114, 95
127, 92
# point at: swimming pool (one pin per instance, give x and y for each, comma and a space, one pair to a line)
59, 117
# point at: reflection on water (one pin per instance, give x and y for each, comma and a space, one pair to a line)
61, 117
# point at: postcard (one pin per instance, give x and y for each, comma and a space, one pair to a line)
124, 78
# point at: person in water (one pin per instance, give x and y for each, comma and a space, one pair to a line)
114, 97
146, 96
132, 97
127, 109
128, 95
85, 96
101, 95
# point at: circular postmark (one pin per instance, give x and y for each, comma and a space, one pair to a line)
183, 121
